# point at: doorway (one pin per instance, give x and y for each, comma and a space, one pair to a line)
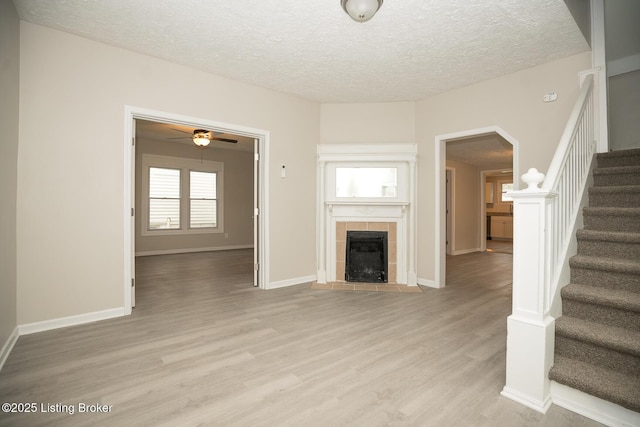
260, 142
476, 149
497, 235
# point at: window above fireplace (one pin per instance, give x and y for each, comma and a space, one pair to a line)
375, 182
366, 182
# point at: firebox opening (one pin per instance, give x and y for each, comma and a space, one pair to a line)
366, 257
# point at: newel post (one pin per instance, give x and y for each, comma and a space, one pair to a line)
530, 329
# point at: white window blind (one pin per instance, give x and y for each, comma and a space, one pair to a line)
203, 199
181, 196
164, 198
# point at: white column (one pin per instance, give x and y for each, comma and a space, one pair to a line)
321, 225
599, 61
530, 328
412, 278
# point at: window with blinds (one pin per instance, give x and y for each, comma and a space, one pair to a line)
164, 198
202, 203
181, 196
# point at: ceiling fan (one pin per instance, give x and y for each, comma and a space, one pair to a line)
202, 137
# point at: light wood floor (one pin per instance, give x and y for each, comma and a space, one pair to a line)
203, 347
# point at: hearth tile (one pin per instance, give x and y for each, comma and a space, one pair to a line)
316, 285
340, 269
365, 287
388, 288
410, 289
378, 226
393, 272
357, 226
341, 251
393, 232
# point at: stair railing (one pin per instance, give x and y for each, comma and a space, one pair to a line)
543, 224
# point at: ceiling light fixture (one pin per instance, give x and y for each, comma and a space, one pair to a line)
361, 10
201, 138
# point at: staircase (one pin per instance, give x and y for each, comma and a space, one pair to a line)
597, 339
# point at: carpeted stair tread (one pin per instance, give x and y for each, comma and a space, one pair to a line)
620, 339
619, 158
608, 236
614, 196
614, 298
616, 175
629, 189
606, 264
607, 384
620, 153
609, 244
612, 218
614, 170
611, 211
597, 340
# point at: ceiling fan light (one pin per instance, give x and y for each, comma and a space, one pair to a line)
201, 142
201, 139
361, 10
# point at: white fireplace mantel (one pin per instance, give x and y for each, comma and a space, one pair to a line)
400, 209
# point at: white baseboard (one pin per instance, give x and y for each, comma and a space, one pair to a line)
523, 399
8, 346
193, 250
292, 282
427, 282
465, 251
63, 322
593, 407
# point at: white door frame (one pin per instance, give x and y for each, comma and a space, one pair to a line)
132, 113
440, 191
450, 210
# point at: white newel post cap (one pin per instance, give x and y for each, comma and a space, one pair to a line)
533, 179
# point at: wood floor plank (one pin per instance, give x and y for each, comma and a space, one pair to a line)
204, 347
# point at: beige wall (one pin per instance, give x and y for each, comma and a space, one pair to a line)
238, 198
392, 122
9, 102
512, 102
466, 199
70, 225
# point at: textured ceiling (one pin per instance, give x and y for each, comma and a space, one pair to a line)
171, 132
410, 50
486, 152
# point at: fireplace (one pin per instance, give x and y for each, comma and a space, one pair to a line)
366, 257
371, 188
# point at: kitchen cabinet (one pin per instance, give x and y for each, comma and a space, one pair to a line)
502, 227
488, 192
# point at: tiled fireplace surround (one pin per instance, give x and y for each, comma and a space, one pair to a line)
396, 215
341, 245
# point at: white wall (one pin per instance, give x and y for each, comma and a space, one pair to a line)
512, 102
70, 209
237, 199
9, 102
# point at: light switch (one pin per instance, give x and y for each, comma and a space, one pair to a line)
283, 171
